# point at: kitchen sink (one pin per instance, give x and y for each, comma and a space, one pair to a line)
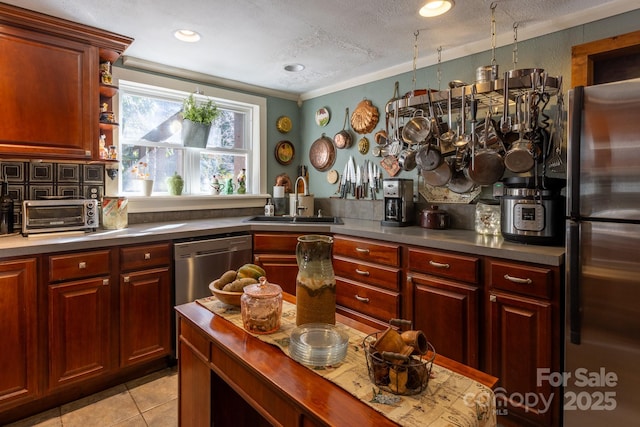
296, 220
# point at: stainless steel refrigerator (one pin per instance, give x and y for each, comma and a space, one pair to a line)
602, 299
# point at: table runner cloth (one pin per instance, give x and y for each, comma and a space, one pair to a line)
450, 399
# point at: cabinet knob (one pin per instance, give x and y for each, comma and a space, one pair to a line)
362, 272
126, 279
493, 298
518, 280
147, 255
82, 265
361, 299
362, 250
438, 264
105, 282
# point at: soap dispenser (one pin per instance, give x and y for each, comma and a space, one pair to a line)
269, 208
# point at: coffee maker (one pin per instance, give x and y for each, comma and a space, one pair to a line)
398, 202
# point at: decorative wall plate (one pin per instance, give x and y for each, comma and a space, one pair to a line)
284, 152
323, 116
283, 124
332, 176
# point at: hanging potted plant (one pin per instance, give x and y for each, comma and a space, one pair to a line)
196, 122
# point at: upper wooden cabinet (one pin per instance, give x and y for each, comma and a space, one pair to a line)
49, 85
607, 60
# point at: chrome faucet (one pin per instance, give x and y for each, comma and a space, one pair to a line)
296, 204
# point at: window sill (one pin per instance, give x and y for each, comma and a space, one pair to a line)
140, 204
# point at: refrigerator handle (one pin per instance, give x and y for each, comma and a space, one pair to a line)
576, 106
573, 280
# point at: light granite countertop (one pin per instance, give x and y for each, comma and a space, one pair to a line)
451, 240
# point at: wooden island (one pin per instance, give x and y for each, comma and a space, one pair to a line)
228, 377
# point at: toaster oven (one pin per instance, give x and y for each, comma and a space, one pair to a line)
48, 216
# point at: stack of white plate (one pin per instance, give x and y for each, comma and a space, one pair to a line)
318, 344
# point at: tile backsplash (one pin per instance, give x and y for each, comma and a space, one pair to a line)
34, 180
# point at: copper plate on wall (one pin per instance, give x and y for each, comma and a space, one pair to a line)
322, 153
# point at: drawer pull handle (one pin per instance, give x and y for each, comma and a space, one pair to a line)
82, 265
362, 272
439, 264
147, 255
361, 299
518, 280
362, 250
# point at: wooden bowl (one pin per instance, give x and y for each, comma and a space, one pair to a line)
231, 298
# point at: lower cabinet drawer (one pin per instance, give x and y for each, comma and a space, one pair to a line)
372, 301
372, 274
523, 279
147, 256
79, 265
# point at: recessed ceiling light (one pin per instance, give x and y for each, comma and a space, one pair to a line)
435, 7
187, 36
294, 68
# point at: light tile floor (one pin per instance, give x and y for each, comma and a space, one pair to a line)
148, 401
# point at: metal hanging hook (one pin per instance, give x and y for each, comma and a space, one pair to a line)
493, 33
415, 57
439, 61
515, 44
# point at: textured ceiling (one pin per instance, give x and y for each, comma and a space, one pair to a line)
338, 41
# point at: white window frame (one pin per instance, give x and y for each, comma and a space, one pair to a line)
256, 161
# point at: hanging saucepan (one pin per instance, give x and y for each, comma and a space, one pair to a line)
460, 182
438, 177
343, 138
520, 156
322, 153
487, 165
407, 159
428, 157
418, 129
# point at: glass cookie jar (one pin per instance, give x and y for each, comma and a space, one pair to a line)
261, 307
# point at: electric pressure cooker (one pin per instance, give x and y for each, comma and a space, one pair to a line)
532, 210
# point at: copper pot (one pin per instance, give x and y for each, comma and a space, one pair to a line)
434, 218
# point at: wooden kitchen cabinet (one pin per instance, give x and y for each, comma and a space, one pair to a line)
276, 254
368, 275
19, 382
445, 302
49, 97
523, 335
79, 298
145, 303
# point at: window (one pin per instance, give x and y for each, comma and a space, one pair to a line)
151, 147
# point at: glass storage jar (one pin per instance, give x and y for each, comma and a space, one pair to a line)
261, 307
315, 282
487, 219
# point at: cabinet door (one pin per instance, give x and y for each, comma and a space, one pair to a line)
280, 268
145, 315
48, 95
18, 329
447, 312
519, 343
79, 330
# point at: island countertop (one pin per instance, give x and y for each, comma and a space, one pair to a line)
280, 389
453, 240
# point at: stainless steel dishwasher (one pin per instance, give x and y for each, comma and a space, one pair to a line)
199, 262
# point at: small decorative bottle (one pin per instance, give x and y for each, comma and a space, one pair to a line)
104, 153
242, 182
315, 282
